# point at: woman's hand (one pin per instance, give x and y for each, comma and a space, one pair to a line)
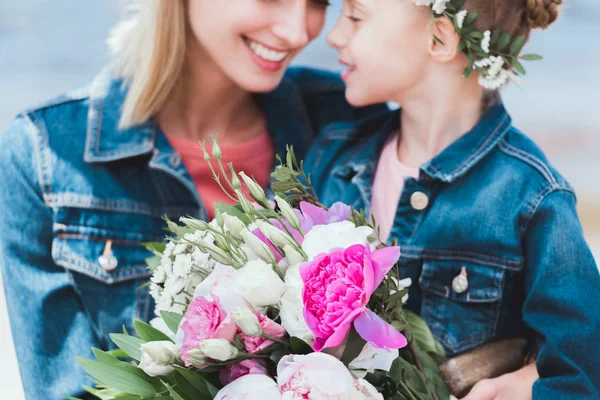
514, 386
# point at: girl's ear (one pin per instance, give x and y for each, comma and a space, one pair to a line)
443, 29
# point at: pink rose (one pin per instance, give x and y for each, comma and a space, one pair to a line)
203, 320
337, 289
256, 344
232, 372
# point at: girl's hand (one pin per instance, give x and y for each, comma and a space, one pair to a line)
514, 386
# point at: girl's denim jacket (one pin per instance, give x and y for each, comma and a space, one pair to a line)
75, 188
489, 205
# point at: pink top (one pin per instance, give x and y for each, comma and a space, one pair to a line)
254, 157
388, 185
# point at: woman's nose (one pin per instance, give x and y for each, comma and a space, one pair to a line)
291, 24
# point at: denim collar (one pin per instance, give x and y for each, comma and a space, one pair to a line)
287, 121
452, 163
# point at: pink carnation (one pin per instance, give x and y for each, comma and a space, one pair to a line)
337, 289
256, 344
232, 372
204, 319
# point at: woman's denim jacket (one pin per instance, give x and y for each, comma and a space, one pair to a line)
74, 188
491, 205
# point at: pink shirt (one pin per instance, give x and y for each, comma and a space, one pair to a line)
388, 185
254, 157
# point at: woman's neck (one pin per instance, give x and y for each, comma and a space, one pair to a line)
436, 115
206, 101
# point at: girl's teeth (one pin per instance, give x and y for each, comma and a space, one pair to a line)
267, 54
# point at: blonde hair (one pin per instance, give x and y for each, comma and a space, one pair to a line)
149, 44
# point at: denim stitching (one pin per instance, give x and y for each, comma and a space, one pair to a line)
530, 160
42, 150
534, 205
458, 255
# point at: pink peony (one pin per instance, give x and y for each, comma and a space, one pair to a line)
256, 344
232, 372
337, 289
204, 319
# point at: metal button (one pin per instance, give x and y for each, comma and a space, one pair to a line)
107, 260
419, 201
460, 283
175, 160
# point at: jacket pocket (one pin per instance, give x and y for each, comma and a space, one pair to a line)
461, 317
106, 255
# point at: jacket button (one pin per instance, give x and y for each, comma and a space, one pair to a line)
419, 201
175, 160
107, 260
460, 283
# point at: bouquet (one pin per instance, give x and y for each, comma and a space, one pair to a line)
283, 299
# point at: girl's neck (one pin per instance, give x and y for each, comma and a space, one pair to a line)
435, 116
207, 101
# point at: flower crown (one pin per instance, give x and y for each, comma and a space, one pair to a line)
488, 52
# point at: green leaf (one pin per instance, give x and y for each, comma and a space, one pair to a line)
437, 39
155, 247
149, 333
517, 45
129, 380
461, 46
531, 57
70, 398
172, 391
130, 345
470, 19
118, 353
495, 36
104, 357
476, 35
172, 320
354, 346
421, 333
153, 262
467, 72
105, 394
458, 4
233, 211
197, 381
299, 346
518, 67
503, 41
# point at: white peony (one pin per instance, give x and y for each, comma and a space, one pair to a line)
158, 357
250, 387
320, 376
291, 307
323, 238
220, 284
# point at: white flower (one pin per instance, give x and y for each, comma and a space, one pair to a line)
157, 358
485, 42
288, 213
460, 18
426, 3
496, 75
274, 234
220, 284
233, 225
258, 246
166, 263
218, 349
174, 285
494, 83
180, 248
164, 303
439, 6
292, 255
169, 248
155, 291
159, 323
247, 321
250, 387
180, 302
259, 284
320, 376
372, 358
291, 307
182, 265
323, 238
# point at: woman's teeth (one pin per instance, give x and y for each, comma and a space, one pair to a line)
266, 54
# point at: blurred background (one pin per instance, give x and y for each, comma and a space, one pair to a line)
50, 46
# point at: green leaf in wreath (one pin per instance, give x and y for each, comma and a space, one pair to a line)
503, 41
149, 333
531, 57
517, 45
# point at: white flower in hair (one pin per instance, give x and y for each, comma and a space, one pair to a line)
426, 3
460, 18
494, 83
485, 43
440, 6
496, 75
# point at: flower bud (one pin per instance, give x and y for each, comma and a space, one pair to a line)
233, 224
256, 191
216, 150
235, 181
216, 253
206, 155
274, 234
247, 207
218, 349
288, 213
197, 358
292, 255
258, 246
247, 321
157, 358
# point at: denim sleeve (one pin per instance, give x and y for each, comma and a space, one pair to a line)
561, 307
48, 321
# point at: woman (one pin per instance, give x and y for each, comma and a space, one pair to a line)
88, 177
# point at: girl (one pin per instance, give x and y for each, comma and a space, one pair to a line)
87, 178
486, 226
